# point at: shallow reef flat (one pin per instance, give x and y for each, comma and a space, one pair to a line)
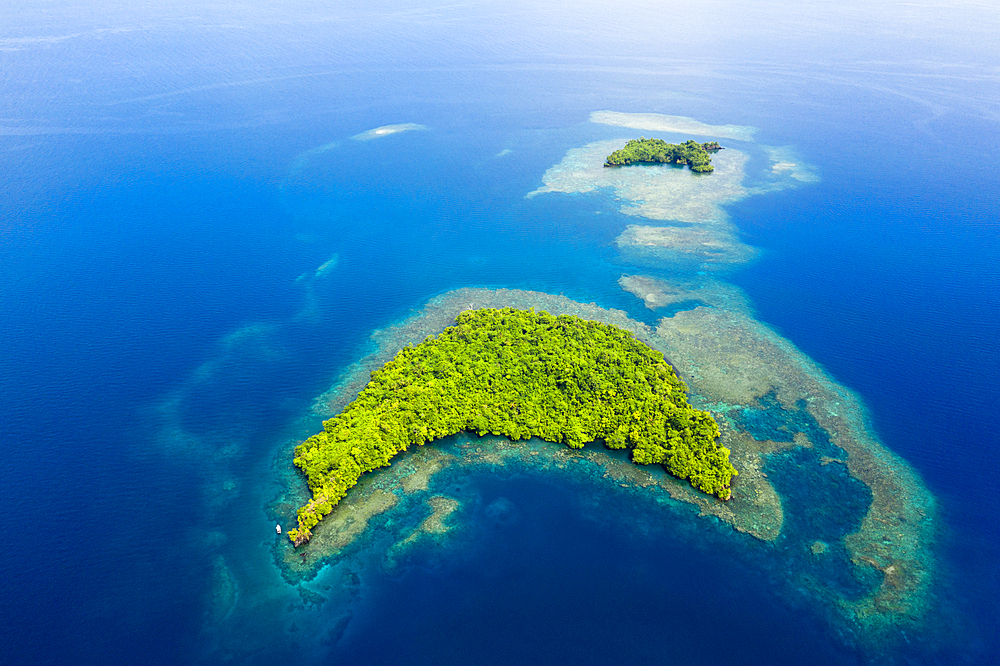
654, 191
736, 364
699, 235
681, 223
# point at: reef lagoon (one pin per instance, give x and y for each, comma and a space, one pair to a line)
217, 222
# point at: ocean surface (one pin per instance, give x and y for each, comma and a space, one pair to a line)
197, 238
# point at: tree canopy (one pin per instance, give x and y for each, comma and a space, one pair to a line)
657, 151
519, 374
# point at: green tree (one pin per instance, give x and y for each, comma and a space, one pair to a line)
654, 151
520, 374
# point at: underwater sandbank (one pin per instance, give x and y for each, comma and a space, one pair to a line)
387, 130
656, 122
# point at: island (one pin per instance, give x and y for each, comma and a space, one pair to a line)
658, 151
518, 374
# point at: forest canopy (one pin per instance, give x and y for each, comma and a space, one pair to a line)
519, 374
657, 151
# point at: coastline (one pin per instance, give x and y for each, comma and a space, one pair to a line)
691, 339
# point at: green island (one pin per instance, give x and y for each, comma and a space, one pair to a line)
519, 374
658, 151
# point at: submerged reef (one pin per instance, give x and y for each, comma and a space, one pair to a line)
694, 232
681, 225
732, 359
436, 525
731, 363
777, 402
650, 192
740, 369
520, 374
662, 294
784, 162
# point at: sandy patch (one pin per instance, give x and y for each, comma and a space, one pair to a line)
387, 130
656, 122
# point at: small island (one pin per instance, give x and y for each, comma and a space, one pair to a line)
519, 374
658, 151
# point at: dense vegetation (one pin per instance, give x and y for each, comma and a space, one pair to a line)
520, 374
659, 151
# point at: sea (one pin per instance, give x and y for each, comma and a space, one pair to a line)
200, 231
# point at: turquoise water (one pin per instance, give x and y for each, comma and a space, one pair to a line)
169, 191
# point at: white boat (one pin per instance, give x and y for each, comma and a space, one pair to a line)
277, 528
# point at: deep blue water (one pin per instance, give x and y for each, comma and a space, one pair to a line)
551, 585
156, 343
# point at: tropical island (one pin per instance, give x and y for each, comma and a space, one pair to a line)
518, 374
658, 151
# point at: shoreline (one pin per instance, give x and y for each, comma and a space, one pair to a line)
904, 564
